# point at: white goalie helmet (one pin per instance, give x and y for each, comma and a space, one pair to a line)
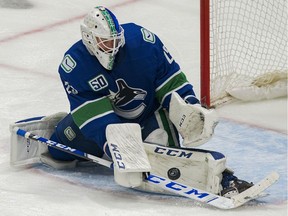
102, 35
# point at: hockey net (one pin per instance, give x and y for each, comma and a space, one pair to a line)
243, 50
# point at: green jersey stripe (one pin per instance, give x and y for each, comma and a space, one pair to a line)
173, 84
167, 127
176, 89
169, 79
96, 117
91, 110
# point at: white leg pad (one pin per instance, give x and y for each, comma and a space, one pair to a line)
25, 151
214, 174
158, 136
197, 168
46, 159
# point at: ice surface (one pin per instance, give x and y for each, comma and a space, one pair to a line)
33, 37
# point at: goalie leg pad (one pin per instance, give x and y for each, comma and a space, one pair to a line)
25, 151
197, 168
155, 125
158, 136
46, 158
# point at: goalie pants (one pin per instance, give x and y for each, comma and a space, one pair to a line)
66, 127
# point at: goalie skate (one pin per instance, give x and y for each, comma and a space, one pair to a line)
236, 186
232, 185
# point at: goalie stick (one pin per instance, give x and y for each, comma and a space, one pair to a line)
167, 184
62, 147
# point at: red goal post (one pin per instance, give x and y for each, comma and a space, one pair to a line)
243, 50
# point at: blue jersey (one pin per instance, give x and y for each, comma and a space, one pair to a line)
143, 76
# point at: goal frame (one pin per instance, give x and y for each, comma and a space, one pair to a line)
205, 53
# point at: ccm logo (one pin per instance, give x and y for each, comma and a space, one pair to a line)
116, 152
61, 146
173, 152
174, 186
182, 120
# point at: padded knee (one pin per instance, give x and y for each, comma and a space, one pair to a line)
158, 136
61, 155
68, 133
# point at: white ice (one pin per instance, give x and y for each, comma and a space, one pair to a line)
32, 43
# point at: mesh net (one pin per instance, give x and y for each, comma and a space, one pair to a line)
248, 44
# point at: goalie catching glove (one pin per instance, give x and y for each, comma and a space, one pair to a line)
195, 123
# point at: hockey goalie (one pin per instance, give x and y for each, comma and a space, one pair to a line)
131, 104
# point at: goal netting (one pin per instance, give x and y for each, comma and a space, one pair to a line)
243, 50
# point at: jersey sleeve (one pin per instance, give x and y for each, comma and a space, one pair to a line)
91, 111
171, 78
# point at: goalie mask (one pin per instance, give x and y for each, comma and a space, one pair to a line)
102, 35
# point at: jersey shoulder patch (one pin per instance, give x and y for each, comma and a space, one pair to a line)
68, 63
148, 36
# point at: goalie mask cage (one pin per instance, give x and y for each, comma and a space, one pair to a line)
241, 40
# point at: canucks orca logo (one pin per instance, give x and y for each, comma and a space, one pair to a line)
125, 100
